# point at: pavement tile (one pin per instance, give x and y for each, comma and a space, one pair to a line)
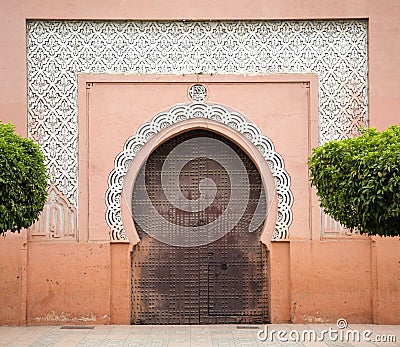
201, 344
134, 342
315, 344
188, 336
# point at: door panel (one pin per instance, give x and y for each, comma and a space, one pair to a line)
224, 281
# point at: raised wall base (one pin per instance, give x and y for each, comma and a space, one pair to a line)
88, 283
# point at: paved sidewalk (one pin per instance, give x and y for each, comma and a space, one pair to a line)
199, 335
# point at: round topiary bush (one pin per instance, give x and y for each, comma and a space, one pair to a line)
23, 180
358, 181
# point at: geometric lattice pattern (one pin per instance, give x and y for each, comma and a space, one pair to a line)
336, 50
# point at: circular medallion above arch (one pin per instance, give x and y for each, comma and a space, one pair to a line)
183, 117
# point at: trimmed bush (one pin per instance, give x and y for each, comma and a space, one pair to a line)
23, 181
358, 181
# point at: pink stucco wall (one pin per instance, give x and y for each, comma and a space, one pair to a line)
311, 280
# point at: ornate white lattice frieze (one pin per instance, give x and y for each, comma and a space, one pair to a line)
58, 50
178, 114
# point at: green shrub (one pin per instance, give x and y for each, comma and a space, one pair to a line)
358, 181
23, 180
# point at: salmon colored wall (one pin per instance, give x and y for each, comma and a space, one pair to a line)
331, 280
120, 283
386, 285
322, 281
68, 282
13, 250
280, 280
28, 279
384, 62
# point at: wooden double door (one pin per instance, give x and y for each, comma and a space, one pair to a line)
221, 281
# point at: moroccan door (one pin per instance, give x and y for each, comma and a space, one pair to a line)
195, 266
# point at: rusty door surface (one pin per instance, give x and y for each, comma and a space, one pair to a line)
222, 281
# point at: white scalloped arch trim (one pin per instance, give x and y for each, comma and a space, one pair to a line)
179, 113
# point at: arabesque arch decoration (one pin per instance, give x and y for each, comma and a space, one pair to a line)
180, 113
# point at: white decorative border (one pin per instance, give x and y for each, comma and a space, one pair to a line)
178, 114
337, 50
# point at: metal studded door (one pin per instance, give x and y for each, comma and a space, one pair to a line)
199, 260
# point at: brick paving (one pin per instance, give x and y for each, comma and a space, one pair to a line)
198, 336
